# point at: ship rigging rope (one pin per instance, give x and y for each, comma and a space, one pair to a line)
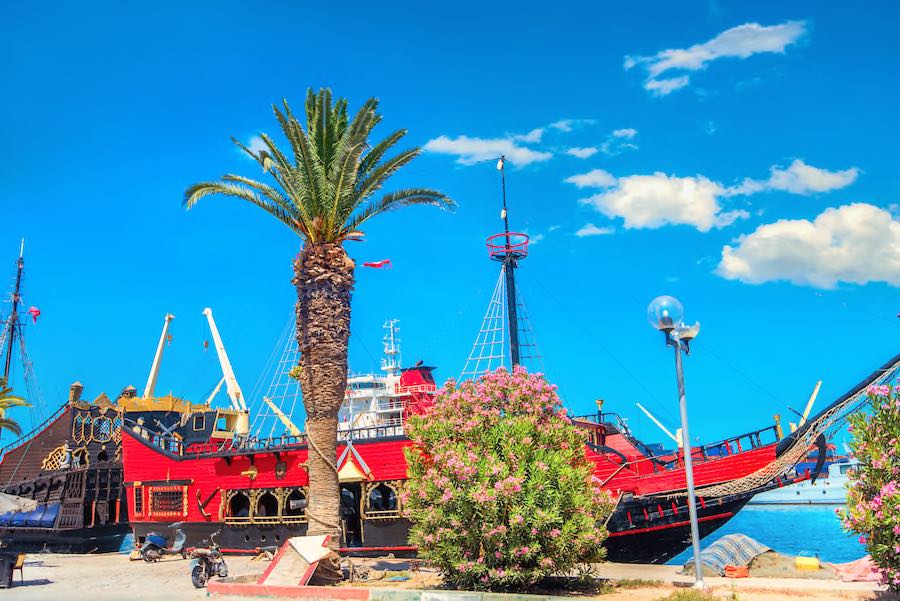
659, 407
825, 422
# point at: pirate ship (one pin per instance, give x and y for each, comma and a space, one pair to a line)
61, 483
253, 486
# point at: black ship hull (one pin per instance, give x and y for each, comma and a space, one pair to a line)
98, 539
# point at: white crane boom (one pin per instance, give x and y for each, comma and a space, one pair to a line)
215, 391
652, 417
294, 430
157, 359
231, 385
809, 403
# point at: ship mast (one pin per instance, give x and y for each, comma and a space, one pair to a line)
509, 258
12, 323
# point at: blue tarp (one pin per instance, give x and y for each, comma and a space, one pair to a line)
730, 550
42, 517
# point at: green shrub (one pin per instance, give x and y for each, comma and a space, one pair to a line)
500, 491
873, 499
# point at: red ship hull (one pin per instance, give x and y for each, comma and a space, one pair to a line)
249, 494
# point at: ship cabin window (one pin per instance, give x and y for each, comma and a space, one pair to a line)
167, 500
239, 506
846, 468
266, 506
295, 506
199, 422
382, 502
366, 386
138, 500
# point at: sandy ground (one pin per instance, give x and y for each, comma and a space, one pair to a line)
108, 577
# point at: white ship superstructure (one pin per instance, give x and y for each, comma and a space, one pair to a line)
377, 400
831, 489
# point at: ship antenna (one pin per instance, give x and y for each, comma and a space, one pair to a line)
391, 362
515, 247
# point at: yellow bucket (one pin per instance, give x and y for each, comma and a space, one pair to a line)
807, 563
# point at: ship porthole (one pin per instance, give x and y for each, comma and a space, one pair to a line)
277, 538
247, 538
262, 538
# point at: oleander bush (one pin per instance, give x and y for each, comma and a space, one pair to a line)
873, 498
500, 491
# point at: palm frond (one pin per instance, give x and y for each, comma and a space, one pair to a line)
323, 187
370, 184
377, 152
11, 425
194, 193
396, 200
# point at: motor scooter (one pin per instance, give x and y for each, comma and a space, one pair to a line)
207, 562
155, 545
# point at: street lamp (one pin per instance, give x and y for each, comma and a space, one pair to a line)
666, 315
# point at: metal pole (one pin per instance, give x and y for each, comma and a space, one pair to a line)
13, 323
509, 266
689, 469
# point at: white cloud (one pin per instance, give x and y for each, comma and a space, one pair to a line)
553, 228
741, 42
856, 243
652, 201
473, 150
619, 140
582, 153
567, 125
532, 137
799, 178
256, 144
596, 178
664, 87
562, 125
589, 229
625, 132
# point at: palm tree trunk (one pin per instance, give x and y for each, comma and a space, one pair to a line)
323, 275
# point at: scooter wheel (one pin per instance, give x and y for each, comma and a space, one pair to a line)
223, 570
150, 555
199, 576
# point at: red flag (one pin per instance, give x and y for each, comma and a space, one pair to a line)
35, 313
378, 264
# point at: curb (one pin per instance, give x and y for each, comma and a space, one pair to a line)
242, 587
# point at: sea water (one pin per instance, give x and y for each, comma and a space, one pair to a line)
791, 530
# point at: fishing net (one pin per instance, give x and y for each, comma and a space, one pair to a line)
826, 422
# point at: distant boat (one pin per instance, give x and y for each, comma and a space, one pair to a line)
828, 490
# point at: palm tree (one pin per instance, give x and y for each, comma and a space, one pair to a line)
7, 401
324, 190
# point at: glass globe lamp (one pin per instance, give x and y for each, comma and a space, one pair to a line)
665, 313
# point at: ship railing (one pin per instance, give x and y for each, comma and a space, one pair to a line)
398, 389
389, 429
737, 444
35, 431
265, 520
390, 404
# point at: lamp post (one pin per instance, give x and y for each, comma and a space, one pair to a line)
666, 314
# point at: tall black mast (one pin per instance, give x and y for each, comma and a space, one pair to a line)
12, 323
510, 261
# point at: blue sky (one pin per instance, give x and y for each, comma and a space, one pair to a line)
740, 156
